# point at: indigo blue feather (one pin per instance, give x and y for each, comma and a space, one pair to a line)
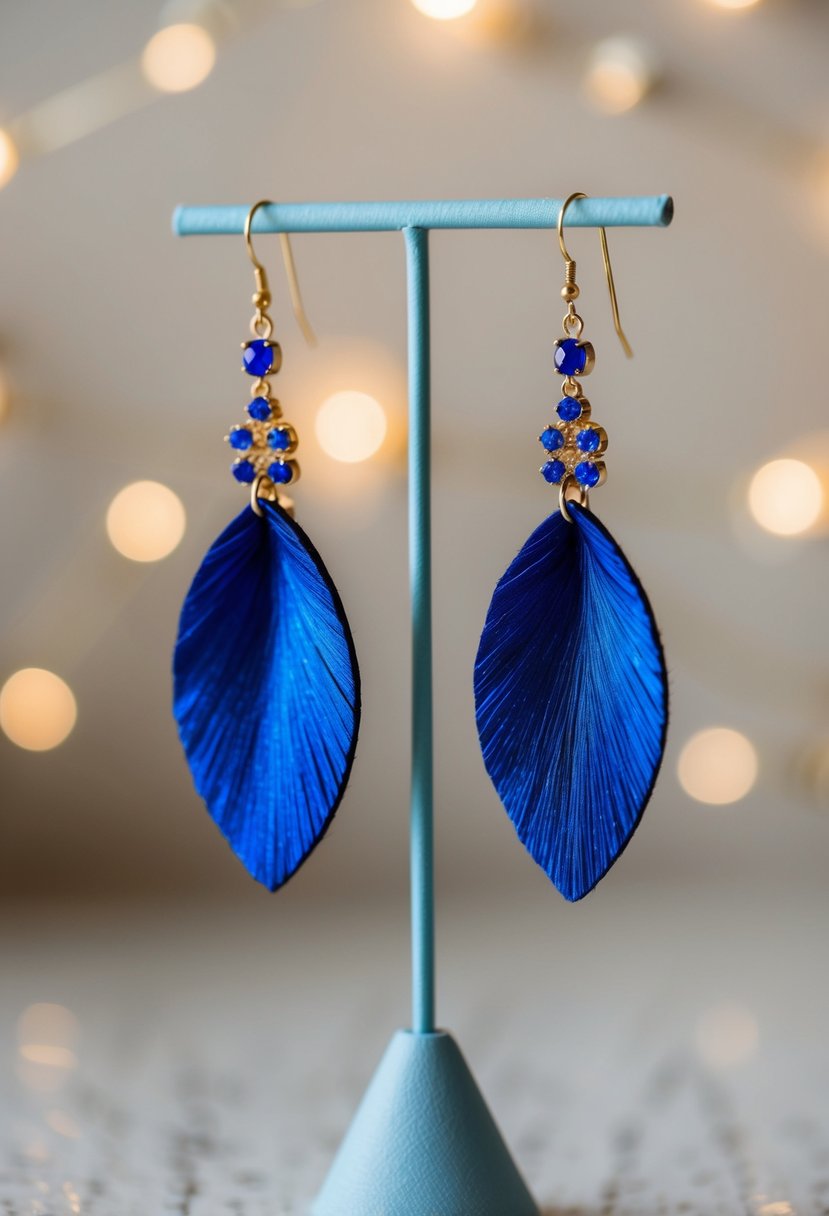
267, 691
571, 699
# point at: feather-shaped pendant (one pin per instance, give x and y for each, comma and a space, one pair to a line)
571, 698
267, 691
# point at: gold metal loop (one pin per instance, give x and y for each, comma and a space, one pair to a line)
261, 326
570, 269
255, 486
260, 274
566, 484
262, 487
573, 324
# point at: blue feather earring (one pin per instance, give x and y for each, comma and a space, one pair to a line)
266, 684
571, 695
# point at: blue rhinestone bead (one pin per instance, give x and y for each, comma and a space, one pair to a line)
240, 439
279, 439
553, 471
570, 357
587, 474
588, 440
260, 409
551, 439
243, 471
280, 472
568, 409
257, 357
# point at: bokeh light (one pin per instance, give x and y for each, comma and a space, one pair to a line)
811, 769
619, 75
37, 709
351, 426
717, 766
5, 397
726, 1035
63, 1123
145, 521
9, 158
46, 1022
178, 58
732, 4
814, 196
444, 10
47, 1037
786, 497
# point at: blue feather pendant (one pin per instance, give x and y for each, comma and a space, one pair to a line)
267, 691
571, 698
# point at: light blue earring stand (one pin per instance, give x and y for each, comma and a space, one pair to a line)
423, 1142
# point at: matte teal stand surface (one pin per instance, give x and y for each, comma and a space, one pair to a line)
423, 1142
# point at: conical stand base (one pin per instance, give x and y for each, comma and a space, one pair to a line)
423, 1142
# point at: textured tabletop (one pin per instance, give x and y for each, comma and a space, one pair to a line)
649, 1052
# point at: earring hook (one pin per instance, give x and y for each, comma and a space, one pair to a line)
260, 274
608, 269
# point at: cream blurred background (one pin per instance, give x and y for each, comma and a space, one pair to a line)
118, 355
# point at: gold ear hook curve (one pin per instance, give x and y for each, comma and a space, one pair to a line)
290, 269
608, 269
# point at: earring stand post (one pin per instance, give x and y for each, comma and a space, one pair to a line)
422, 847
423, 1139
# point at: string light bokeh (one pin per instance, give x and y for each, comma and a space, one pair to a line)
37, 709
444, 10
718, 766
47, 1044
145, 521
9, 158
178, 58
350, 426
620, 73
786, 497
5, 397
735, 5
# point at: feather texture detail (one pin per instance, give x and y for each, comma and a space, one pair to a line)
267, 691
571, 699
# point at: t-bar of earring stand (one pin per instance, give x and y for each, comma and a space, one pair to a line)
647, 211
423, 1139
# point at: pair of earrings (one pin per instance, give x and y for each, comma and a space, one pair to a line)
570, 682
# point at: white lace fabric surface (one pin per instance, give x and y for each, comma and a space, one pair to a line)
651, 1051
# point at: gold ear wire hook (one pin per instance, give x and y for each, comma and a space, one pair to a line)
260, 274
570, 270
